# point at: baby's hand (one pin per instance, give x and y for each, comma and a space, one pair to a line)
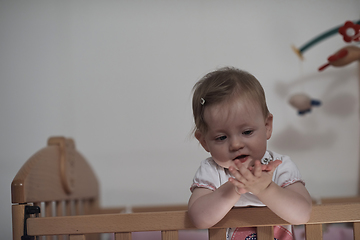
267, 167
255, 180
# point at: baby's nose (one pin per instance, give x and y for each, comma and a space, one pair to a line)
236, 144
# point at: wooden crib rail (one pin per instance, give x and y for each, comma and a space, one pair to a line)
172, 221
163, 208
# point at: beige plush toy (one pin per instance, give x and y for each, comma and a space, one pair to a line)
303, 103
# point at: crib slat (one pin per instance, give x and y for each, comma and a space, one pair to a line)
265, 233
356, 230
77, 207
18, 221
77, 237
313, 231
60, 212
217, 234
59, 208
169, 235
42, 211
123, 236
68, 208
48, 213
94, 205
48, 209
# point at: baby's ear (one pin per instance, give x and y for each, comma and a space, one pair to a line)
201, 138
269, 125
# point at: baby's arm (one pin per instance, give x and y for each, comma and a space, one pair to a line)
292, 203
207, 207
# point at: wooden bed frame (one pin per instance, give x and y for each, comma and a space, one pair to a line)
56, 193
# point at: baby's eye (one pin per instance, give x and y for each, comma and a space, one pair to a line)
221, 138
248, 132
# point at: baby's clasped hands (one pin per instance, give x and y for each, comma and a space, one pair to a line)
253, 179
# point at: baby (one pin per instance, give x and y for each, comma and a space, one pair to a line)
233, 124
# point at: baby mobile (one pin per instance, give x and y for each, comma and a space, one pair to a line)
344, 56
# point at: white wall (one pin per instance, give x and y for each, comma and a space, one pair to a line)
117, 77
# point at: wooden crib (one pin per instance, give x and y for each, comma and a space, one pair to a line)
56, 194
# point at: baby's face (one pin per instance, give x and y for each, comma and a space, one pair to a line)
236, 130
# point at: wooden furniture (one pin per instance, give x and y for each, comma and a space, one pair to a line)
58, 182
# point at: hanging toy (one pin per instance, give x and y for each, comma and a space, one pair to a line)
348, 30
303, 103
342, 57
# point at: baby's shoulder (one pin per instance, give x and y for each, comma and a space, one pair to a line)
277, 156
286, 162
209, 163
286, 166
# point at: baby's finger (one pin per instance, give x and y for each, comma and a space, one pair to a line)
243, 171
258, 168
236, 183
238, 164
236, 174
264, 167
273, 165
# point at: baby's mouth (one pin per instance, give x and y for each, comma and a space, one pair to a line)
242, 158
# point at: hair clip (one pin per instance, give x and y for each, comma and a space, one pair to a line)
202, 101
265, 161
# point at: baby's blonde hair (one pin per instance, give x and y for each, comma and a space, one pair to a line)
221, 85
